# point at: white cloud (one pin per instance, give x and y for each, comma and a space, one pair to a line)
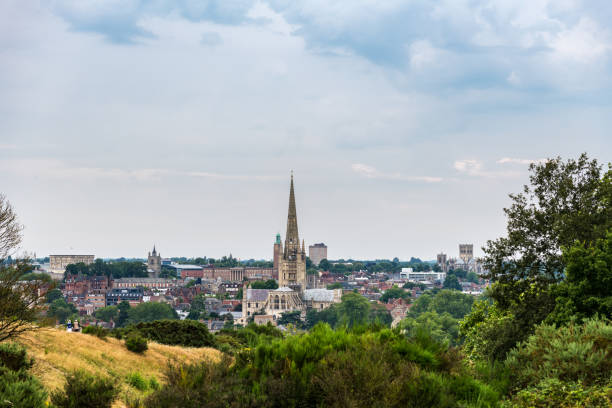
471, 167
506, 160
372, 173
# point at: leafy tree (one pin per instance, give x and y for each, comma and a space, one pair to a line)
451, 282
150, 311
473, 277
52, 295
460, 273
291, 318
443, 328
18, 388
566, 203
269, 284
394, 293
61, 310
107, 313
324, 265
123, 316
335, 285
353, 310
587, 288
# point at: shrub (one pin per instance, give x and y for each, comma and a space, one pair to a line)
186, 333
14, 357
554, 393
136, 343
83, 390
17, 387
137, 381
97, 331
572, 353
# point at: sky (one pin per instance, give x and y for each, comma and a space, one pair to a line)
125, 124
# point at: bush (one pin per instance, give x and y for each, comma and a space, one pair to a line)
97, 331
573, 353
136, 343
137, 381
17, 387
554, 393
186, 333
83, 390
14, 357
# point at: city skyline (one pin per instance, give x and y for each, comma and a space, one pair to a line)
178, 124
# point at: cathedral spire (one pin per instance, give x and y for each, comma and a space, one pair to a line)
292, 237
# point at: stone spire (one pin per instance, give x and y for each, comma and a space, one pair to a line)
292, 239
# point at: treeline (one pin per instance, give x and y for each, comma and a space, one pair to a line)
121, 269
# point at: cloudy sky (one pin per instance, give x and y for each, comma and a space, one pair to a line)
407, 123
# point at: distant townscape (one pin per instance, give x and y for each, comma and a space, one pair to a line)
226, 291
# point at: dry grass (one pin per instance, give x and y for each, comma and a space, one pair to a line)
57, 352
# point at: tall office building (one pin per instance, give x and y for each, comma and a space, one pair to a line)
317, 253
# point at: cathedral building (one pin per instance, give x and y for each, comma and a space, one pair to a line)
292, 293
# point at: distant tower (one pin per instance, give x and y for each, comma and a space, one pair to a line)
317, 253
466, 252
278, 252
154, 264
442, 262
292, 266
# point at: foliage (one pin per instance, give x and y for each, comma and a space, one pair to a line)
566, 203
52, 295
18, 388
269, 284
411, 285
186, 333
150, 311
107, 313
292, 318
354, 310
61, 310
136, 343
585, 291
97, 331
20, 301
473, 277
335, 285
394, 293
136, 380
552, 392
83, 390
122, 269
360, 368
324, 265
489, 332
443, 328
455, 303
452, 282
572, 353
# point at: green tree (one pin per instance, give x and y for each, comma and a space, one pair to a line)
61, 310
587, 288
451, 282
107, 313
150, 311
353, 310
324, 265
123, 316
52, 295
473, 277
269, 284
565, 203
394, 293
335, 285
443, 328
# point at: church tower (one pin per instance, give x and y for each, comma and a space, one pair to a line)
292, 265
154, 264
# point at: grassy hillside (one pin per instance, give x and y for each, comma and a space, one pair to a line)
56, 352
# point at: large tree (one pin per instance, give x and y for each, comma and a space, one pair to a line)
567, 203
20, 301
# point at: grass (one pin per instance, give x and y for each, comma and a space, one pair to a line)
57, 352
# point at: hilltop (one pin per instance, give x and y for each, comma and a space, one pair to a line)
57, 352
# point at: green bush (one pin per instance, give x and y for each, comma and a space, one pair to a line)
573, 353
97, 331
83, 390
186, 333
136, 343
14, 357
18, 388
552, 392
137, 381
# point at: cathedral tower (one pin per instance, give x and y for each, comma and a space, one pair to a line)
292, 265
154, 264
